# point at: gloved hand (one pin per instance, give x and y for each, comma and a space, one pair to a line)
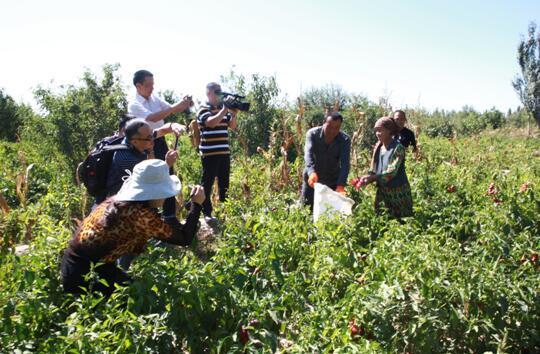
341, 190
313, 178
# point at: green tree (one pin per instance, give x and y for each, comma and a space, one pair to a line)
528, 84
494, 118
254, 127
79, 116
11, 118
317, 100
518, 118
182, 117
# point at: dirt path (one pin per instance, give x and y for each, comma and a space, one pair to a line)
205, 246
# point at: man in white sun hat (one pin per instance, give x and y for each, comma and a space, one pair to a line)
123, 224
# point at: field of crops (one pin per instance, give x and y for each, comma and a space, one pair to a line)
461, 276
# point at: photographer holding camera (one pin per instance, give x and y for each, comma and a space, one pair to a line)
154, 110
214, 119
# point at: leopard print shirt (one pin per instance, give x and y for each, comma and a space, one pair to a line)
135, 225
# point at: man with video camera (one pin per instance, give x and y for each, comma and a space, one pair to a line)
214, 119
154, 110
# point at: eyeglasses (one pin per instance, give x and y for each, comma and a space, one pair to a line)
150, 138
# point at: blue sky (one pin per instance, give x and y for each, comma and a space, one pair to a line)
444, 54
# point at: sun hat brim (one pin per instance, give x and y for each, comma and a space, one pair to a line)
133, 191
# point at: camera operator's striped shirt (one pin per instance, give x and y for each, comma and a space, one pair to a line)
214, 141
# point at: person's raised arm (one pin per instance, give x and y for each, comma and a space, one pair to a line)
169, 128
212, 121
172, 231
161, 115
139, 111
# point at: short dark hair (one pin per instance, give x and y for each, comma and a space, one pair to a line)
335, 116
123, 120
402, 112
133, 127
139, 76
213, 86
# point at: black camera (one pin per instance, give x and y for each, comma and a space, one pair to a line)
234, 101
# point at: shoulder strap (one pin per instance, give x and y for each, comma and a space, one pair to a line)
115, 147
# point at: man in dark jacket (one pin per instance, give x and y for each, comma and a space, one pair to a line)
139, 137
327, 157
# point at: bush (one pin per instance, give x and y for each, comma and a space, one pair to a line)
441, 128
12, 117
80, 116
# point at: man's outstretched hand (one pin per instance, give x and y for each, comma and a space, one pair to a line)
178, 129
183, 105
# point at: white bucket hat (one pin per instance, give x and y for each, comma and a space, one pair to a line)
150, 180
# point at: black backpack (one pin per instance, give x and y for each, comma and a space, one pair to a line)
93, 171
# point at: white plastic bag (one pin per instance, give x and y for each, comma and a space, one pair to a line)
326, 201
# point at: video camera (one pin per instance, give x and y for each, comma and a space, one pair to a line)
233, 101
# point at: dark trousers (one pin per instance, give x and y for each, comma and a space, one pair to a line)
308, 193
215, 166
160, 150
125, 261
75, 267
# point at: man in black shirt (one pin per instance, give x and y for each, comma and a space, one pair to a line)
405, 136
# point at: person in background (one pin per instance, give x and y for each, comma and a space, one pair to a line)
154, 110
388, 171
214, 121
122, 125
327, 158
123, 224
405, 136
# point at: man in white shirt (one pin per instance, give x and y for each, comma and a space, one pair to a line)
149, 107
154, 110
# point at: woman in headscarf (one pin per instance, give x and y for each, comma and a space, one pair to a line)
388, 171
